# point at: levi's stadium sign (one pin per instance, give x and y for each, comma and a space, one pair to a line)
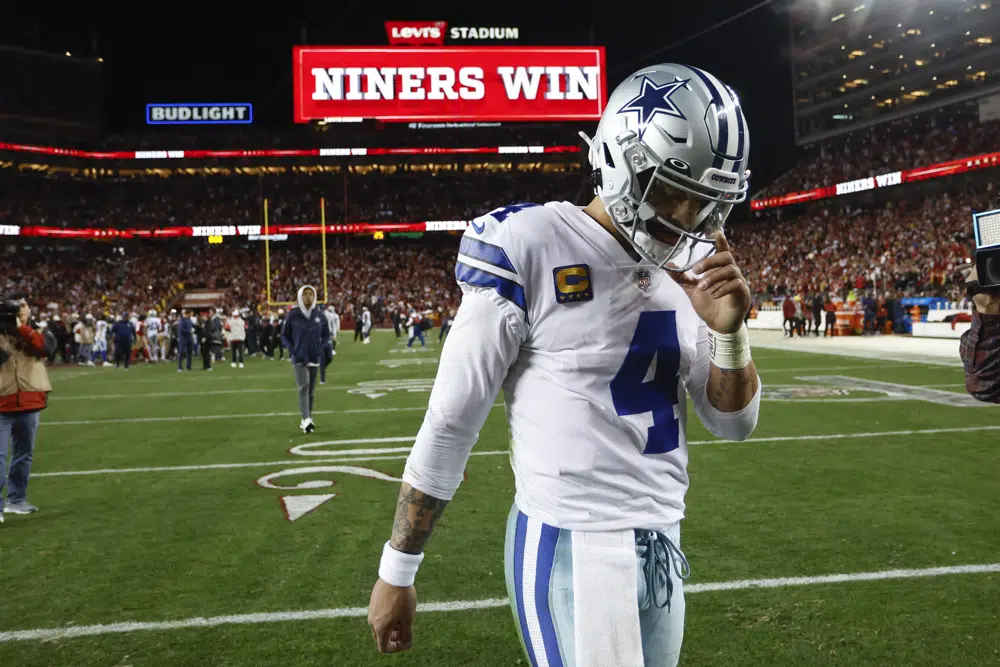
412, 33
449, 83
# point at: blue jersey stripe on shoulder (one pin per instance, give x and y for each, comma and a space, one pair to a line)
505, 287
486, 252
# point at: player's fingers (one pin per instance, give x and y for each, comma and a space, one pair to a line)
716, 260
404, 637
687, 283
683, 279
721, 242
719, 275
382, 639
730, 287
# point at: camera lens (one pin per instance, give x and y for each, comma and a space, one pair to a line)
991, 273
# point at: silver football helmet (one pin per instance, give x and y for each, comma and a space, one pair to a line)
670, 126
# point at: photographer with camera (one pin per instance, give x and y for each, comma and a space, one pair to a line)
980, 347
24, 389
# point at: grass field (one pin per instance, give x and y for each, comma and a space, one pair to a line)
159, 542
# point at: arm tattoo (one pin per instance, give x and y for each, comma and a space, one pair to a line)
731, 390
416, 513
717, 393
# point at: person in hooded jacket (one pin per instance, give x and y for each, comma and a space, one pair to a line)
306, 334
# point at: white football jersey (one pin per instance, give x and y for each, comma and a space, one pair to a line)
333, 320
596, 355
153, 325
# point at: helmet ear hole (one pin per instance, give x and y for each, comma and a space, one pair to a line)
607, 156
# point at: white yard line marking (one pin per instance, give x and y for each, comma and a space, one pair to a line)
288, 463
239, 415
799, 369
71, 632
377, 453
211, 392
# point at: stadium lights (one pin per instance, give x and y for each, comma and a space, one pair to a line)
837, 17
858, 8
70, 54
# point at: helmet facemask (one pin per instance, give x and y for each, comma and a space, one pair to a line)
655, 191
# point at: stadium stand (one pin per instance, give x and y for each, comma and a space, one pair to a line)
922, 139
912, 246
212, 200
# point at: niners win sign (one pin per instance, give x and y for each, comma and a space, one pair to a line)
449, 83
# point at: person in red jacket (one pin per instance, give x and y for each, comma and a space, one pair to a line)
24, 390
788, 310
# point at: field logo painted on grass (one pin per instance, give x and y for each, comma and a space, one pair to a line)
790, 393
295, 507
898, 391
379, 388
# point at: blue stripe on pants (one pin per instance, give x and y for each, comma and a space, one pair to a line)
519, 536
543, 575
538, 569
531, 554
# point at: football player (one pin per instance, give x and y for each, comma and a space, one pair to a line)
366, 325
600, 324
101, 341
153, 328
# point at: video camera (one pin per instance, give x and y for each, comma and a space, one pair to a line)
986, 226
9, 309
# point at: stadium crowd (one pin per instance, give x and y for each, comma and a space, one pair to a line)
102, 280
405, 196
921, 139
913, 247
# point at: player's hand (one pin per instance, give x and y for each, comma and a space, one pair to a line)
390, 616
987, 304
721, 297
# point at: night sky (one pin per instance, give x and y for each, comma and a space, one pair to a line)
156, 55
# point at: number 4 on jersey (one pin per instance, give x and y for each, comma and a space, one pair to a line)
498, 214
655, 339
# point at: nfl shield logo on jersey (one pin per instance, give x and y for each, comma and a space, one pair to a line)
643, 279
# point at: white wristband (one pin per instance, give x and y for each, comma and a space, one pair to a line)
730, 352
398, 568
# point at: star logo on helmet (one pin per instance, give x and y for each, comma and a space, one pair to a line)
653, 99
